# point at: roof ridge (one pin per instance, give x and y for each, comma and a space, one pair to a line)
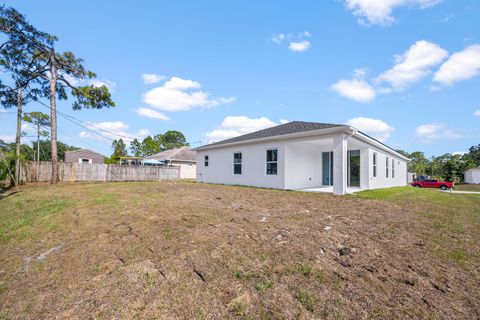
278, 130
177, 151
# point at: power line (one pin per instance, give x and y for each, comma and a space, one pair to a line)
88, 124
83, 124
78, 124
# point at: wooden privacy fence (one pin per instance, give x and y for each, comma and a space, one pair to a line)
71, 172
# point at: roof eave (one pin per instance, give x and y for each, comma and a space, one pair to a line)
379, 144
346, 129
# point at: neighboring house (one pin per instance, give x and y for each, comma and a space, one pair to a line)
472, 176
303, 155
183, 157
411, 176
83, 156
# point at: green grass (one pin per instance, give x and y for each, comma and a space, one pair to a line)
467, 187
455, 219
306, 299
263, 286
23, 214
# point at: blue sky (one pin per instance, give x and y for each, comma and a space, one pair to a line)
404, 71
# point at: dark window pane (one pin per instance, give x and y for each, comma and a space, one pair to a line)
272, 155
272, 168
237, 169
237, 157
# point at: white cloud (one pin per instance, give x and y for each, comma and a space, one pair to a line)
72, 80
233, 126
477, 113
112, 130
459, 153
176, 95
296, 41
299, 46
376, 128
380, 11
460, 66
278, 38
107, 83
283, 121
355, 89
28, 128
413, 65
149, 113
7, 138
176, 83
151, 78
431, 132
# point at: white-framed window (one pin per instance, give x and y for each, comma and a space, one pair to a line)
374, 164
205, 160
272, 162
386, 166
84, 160
237, 163
393, 168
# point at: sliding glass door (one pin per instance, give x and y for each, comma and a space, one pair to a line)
327, 168
354, 168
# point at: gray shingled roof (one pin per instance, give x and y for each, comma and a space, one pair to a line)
84, 151
179, 154
283, 129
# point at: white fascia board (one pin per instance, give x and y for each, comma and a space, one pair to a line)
378, 144
345, 129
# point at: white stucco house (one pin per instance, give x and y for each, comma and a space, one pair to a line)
472, 176
182, 157
303, 156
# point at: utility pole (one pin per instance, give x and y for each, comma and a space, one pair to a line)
53, 116
19, 133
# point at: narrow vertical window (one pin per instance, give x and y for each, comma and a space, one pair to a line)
237, 163
272, 161
386, 166
205, 159
374, 164
393, 168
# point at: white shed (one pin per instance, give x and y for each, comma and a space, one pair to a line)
472, 176
303, 156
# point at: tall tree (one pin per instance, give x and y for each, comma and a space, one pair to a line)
474, 156
119, 150
418, 163
61, 70
40, 120
22, 61
151, 145
136, 148
173, 139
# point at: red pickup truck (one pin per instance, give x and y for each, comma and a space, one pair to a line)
433, 183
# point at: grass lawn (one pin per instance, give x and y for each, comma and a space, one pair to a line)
197, 251
467, 187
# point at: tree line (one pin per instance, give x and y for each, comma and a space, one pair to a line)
148, 146
38, 71
448, 166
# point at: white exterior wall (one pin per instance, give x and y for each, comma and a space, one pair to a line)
381, 181
303, 164
299, 164
187, 170
220, 169
472, 176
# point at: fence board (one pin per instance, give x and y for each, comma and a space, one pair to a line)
71, 172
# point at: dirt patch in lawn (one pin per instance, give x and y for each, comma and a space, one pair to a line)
196, 251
